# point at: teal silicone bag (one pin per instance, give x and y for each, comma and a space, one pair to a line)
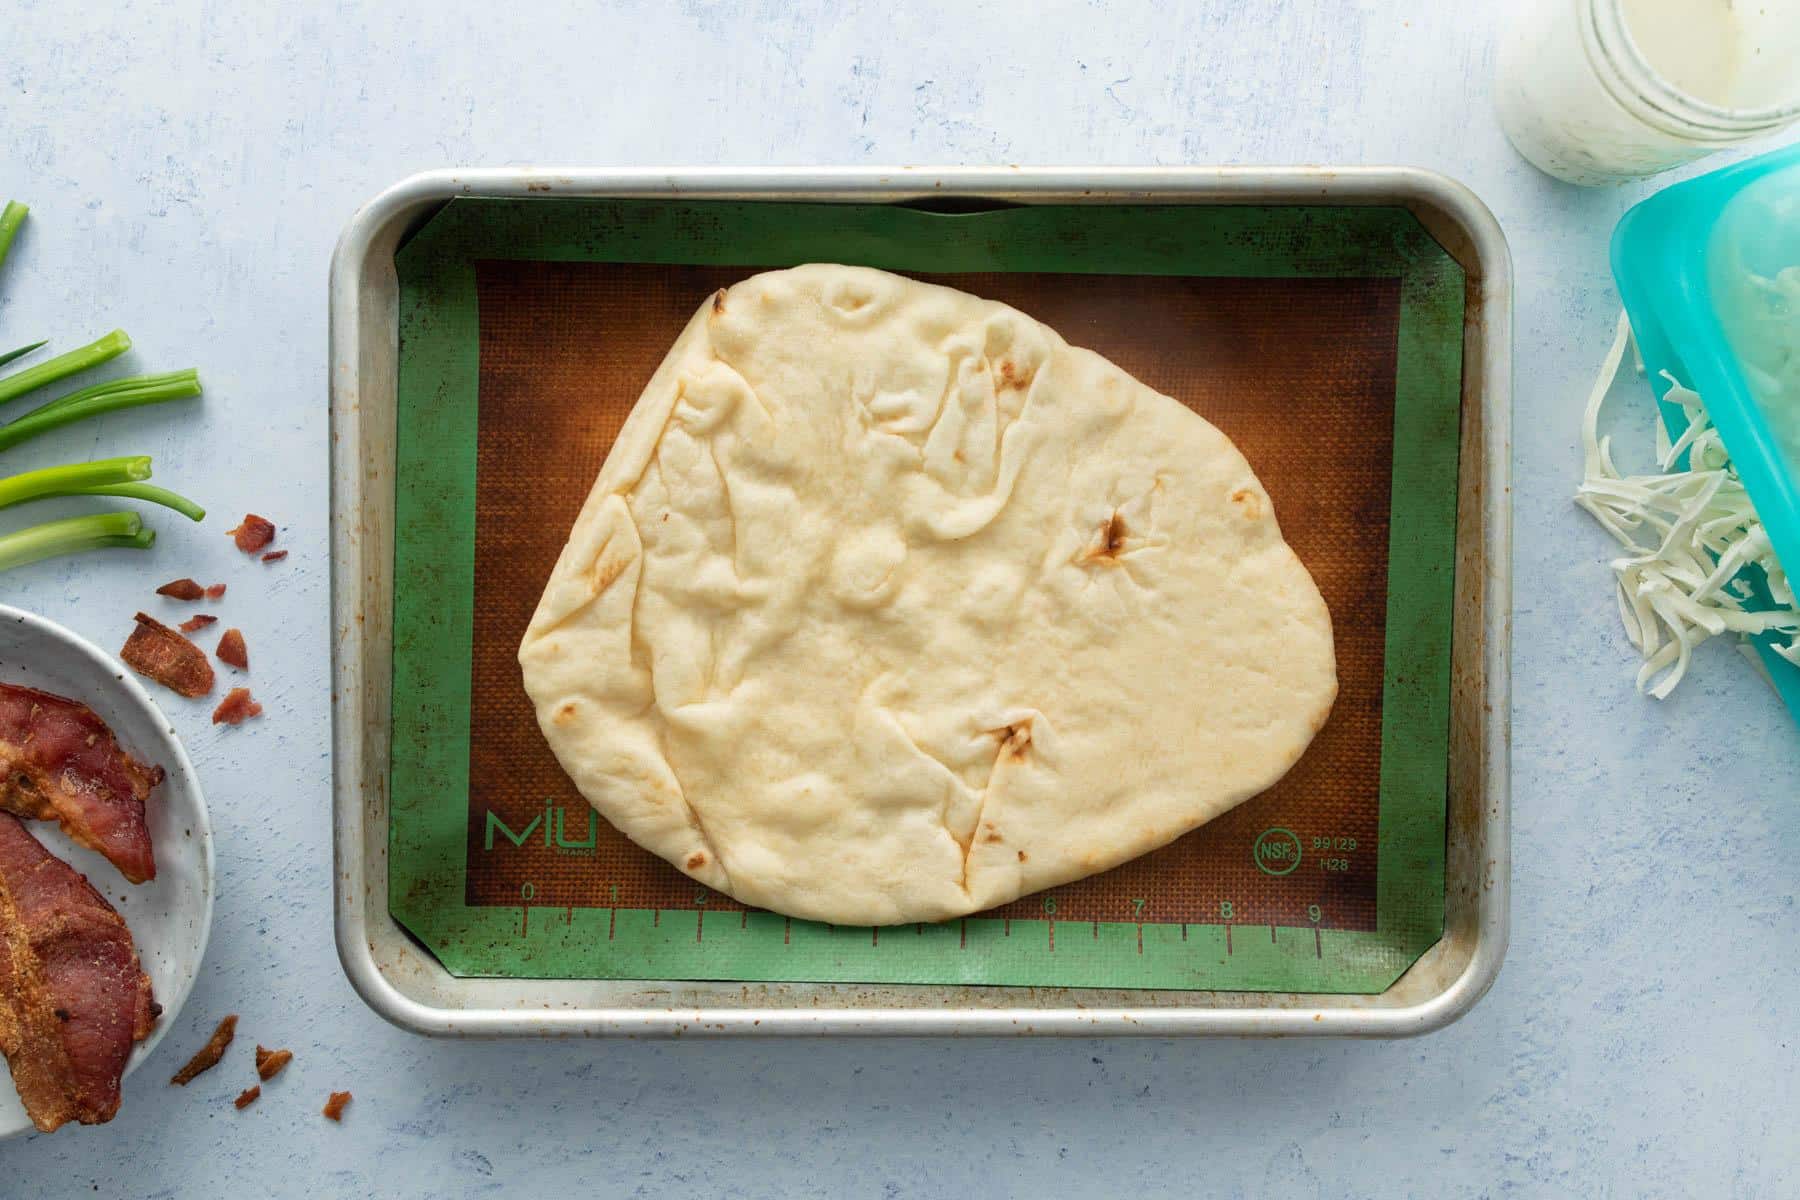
1709, 271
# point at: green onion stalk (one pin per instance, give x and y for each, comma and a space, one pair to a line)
105, 477
124, 477
71, 535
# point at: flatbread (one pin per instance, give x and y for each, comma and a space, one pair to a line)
888, 605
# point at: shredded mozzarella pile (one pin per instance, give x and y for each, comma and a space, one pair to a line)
1688, 535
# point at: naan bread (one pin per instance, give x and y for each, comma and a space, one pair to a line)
889, 605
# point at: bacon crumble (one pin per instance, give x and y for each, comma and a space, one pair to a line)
269, 1063
253, 533
232, 651
208, 1055
160, 653
236, 708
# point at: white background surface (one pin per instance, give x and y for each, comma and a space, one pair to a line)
189, 165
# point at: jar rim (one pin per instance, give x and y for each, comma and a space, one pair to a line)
1654, 89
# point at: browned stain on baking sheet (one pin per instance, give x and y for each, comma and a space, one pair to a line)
1298, 372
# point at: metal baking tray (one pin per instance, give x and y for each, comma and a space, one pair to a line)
405, 984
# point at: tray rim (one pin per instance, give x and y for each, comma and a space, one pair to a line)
1450, 212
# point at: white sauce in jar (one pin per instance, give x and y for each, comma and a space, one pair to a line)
1598, 91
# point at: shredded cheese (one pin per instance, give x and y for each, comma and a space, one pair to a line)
1689, 536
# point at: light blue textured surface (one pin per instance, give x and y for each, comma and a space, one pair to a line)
190, 165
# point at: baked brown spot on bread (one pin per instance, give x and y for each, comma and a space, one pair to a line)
1109, 545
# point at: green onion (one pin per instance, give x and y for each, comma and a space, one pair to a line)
106, 477
100, 398
21, 352
63, 365
72, 477
11, 217
72, 535
146, 491
103, 477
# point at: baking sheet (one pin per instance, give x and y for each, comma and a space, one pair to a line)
1326, 342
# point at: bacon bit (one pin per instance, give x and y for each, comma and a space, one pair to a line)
247, 1098
275, 556
158, 652
253, 534
181, 589
197, 621
334, 1107
231, 650
215, 591
209, 1055
270, 1062
236, 708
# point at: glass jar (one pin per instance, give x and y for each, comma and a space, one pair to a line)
1582, 100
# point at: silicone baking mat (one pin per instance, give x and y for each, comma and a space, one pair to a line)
1325, 342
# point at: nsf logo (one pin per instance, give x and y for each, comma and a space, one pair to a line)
1276, 852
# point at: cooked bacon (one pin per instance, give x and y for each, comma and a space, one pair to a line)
208, 1056
181, 589
275, 556
270, 1062
253, 534
197, 621
215, 591
158, 652
247, 1097
59, 761
73, 997
236, 708
334, 1107
232, 651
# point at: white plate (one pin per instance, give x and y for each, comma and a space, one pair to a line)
170, 916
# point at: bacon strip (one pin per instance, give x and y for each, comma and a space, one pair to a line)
181, 589
334, 1107
59, 761
74, 999
274, 556
158, 652
197, 622
247, 1097
215, 591
253, 533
